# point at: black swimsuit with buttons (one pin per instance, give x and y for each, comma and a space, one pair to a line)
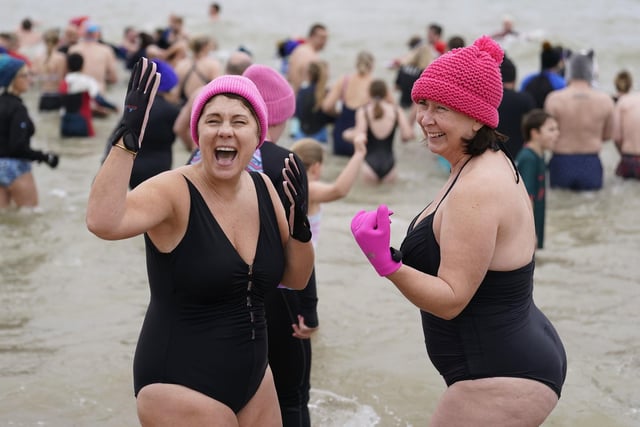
501, 332
205, 324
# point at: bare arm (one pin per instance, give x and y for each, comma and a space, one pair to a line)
114, 213
467, 236
406, 127
320, 192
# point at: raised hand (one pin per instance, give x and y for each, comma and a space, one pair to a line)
296, 210
372, 231
141, 91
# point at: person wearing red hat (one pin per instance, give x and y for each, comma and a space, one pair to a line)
467, 260
217, 241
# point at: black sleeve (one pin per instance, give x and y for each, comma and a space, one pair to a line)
19, 141
309, 302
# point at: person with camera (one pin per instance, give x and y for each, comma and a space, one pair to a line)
17, 184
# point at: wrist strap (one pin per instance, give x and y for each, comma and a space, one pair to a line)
121, 146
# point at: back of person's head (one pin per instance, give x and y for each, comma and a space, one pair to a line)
549, 56
422, 57
200, 44
309, 150
26, 24
238, 62
318, 72
580, 66
623, 81
414, 42
455, 42
508, 70
378, 92
276, 91
75, 61
51, 37
534, 119
364, 62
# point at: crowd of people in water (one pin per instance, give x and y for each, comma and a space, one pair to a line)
463, 97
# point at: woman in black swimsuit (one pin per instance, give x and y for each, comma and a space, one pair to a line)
217, 241
467, 259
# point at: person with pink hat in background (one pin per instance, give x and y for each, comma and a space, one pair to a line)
217, 241
291, 315
467, 260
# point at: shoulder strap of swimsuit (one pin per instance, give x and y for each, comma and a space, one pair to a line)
513, 163
452, 184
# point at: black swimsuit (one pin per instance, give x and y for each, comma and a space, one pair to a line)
501, 333
380, 150
205, 325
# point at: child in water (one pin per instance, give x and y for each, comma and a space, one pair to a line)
311, 152
540, 131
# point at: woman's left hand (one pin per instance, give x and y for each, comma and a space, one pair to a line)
301, 330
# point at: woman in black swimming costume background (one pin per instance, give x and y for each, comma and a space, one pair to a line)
467, 260
217, 240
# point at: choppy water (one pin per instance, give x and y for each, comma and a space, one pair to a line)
72, 304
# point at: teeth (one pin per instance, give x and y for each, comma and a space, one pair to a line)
435, 135
225, 149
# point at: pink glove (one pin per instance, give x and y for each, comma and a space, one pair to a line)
372, 231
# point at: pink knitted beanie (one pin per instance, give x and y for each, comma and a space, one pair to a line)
466, 79
233, 84
276, 92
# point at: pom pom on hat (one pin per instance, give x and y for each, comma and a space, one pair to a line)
466, 79
168, 77
9, 67
234, 84
275, 90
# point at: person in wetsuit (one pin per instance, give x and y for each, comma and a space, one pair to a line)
217, 241
467, 260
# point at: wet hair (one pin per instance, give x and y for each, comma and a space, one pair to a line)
623, 81
75, 61
309, 150
534, 119
378, 92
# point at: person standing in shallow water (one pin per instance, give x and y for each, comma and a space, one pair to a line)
17, 184
585, 117
467, 260
217, 240
540, 131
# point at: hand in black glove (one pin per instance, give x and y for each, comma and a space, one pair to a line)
48, 157
52, 159
299, 227
142, 89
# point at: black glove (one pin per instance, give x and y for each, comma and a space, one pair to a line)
142, 89
48, 157
299, 227
52, 159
